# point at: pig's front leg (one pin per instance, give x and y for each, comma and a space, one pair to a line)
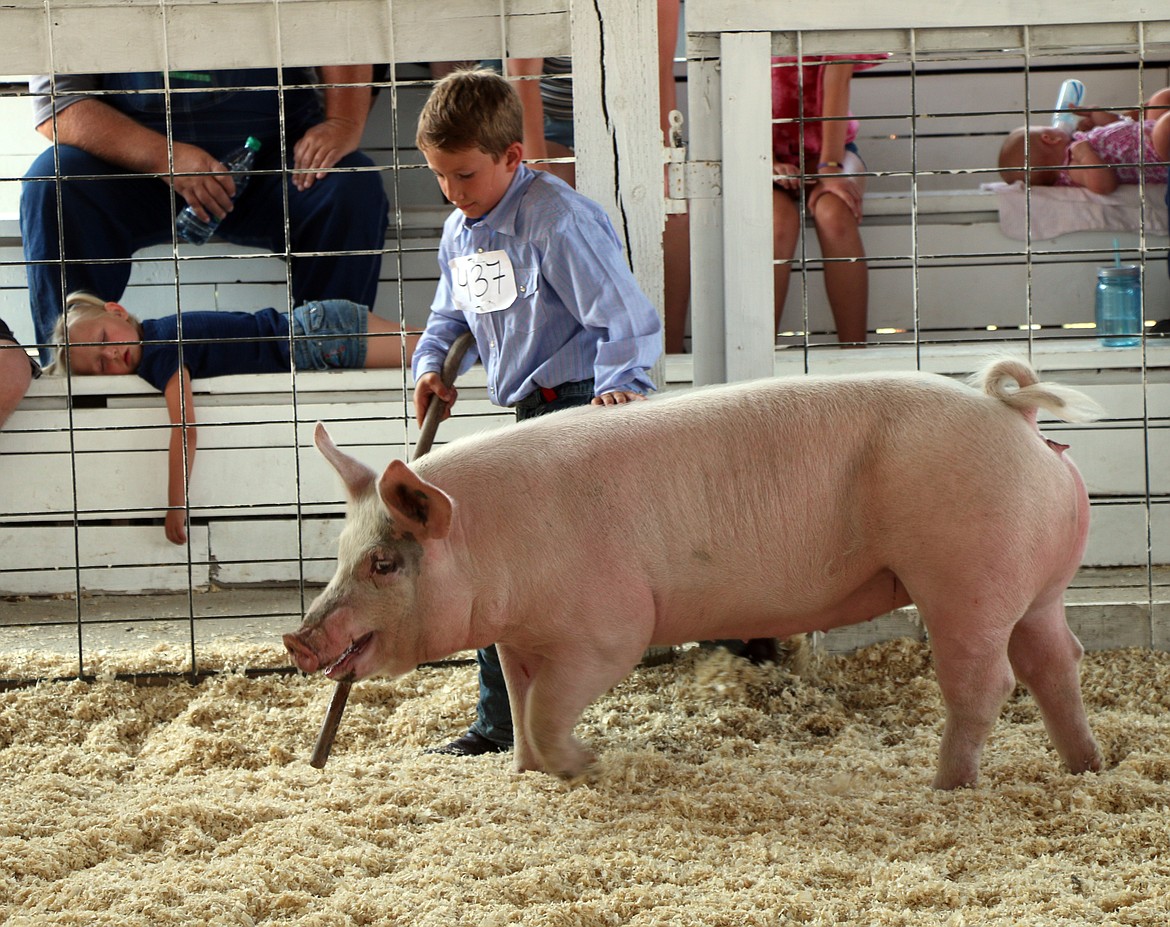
557, 695
518, 669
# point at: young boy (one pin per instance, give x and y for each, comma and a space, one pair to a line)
103, 338
536, 272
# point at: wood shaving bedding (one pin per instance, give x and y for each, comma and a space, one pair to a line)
726, 794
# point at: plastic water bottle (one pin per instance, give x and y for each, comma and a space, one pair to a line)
1119, 305
193, 229
1072, 93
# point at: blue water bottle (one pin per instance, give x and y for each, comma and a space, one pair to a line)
193, 229
1119, 305
1072, 93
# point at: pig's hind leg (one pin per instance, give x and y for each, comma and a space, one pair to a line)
1046, 655
969, 630
976, 678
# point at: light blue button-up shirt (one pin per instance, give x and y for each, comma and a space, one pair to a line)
578, 311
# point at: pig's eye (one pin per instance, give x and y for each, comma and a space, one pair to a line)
382, 566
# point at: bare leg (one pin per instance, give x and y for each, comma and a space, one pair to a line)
384, 347
785, 229
566, 170
15, 376
1158, 105
1161, 137
533, 105
846, 283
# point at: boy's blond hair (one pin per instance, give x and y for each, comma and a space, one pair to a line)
475, 108
79, 306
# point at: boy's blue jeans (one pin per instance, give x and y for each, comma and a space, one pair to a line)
493, 712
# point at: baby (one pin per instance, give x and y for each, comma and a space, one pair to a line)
1106, 150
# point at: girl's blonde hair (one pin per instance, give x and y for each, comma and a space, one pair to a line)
80, 306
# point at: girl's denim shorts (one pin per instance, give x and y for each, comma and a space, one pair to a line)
329, 333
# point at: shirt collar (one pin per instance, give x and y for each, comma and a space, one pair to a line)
502, 217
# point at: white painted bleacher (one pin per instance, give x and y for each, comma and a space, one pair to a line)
953, 264
223, 276
932, 171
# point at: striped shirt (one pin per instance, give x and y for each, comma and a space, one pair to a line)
578, 311
556, 88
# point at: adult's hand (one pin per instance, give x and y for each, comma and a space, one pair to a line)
321, 147
844, 188
785, 176
96, 127
347, 105
203, 181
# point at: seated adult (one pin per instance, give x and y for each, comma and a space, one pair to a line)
132, 149
17, 370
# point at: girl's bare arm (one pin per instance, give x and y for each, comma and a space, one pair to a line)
181, 408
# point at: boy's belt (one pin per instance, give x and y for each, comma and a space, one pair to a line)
543, 395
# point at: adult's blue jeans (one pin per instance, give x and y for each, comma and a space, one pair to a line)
107, 214
493, 711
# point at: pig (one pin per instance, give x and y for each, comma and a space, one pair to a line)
762, 509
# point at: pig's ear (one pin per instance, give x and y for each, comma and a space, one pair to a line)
414, 503
357, 476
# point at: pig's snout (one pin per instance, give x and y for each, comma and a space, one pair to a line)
302, 654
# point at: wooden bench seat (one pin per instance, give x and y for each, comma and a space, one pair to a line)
267, 508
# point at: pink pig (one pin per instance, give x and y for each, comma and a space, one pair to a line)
575, 541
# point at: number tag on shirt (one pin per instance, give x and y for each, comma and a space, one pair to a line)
483, 282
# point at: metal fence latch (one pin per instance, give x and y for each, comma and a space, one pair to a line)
687, 180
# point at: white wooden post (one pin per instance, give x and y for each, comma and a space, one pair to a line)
619, 144
747, 205
705, 145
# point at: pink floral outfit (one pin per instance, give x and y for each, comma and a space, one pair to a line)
1120, 144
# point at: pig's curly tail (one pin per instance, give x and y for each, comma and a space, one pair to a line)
1014, 382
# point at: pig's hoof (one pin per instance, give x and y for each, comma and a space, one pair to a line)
950, 784
761, 650
589, 774
1093, 763
581, 768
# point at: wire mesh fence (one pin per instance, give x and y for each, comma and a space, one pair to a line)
957, 269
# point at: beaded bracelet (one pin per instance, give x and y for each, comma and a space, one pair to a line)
830, 164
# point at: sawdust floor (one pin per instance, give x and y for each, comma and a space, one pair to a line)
726, 795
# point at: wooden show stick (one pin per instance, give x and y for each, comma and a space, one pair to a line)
329, 725
426, 438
